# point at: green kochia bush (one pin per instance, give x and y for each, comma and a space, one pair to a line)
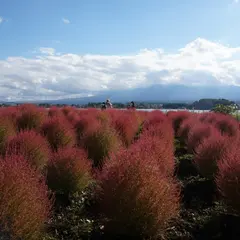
24, 202
30, 117
7, 130
100, 142
69, 171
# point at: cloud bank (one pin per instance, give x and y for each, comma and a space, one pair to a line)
53, 75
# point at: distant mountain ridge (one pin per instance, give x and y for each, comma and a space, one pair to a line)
158, 93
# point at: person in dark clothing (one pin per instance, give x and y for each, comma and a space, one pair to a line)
133, 104
103, 107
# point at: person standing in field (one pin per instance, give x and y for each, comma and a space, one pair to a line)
132, 105
108, 103
103, 107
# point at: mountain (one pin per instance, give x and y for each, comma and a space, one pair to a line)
159, 93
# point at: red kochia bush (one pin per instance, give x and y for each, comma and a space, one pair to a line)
157, 141
30, 117
24, 203
9, 113
32, 146
158, 124
197, 134
69, 171
210, 151
58, 132
67, 109
84, 124
158, 150
126, 125
177, 118
135, 198
7, 130
228, 178
155, 117
55, 112
227, 125
185, 126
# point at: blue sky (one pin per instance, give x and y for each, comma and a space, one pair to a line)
69, 48
114, 27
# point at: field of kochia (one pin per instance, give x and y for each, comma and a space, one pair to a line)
74, 174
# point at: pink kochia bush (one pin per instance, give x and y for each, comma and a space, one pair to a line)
59, 133
227, 178
69, 171
177, 117
135, 198
227, 125
185, 127
210, 151
157, 150
83, 125
197, 134
157, 124
24, 202
32, 146
157, 142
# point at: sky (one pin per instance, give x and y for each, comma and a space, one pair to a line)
68, 48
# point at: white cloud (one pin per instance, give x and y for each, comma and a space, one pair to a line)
236, 1
55, 75
48, 51
1, 19
65, 20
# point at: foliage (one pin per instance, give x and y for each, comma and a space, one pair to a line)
58, 132
55, 112
73, 222
197, 134
135, 198
126, 124
24, 203
32, 146
30, 117
227, 178
177, 117
69, 171
210, 151
227, 126
137, 158
100, 142
7, 130
84, 124
224, 109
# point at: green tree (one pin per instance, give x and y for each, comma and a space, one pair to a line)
225, 109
